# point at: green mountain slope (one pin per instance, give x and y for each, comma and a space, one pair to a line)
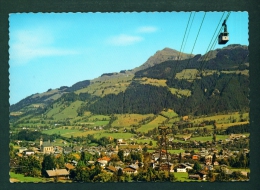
200, 85
43, 99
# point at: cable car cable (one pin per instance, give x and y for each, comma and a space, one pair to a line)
203, 62
213, 45
193, 47
214, 34
184, 37
180, 52
189, 32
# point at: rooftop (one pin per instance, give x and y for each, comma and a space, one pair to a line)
57, 172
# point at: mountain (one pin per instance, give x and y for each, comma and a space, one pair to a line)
191, 86
161, 56
47, 97
203, 84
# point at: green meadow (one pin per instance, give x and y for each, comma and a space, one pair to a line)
183, 176
153, 124
126, 120
113, 135
104, 85
21, 178
69, 132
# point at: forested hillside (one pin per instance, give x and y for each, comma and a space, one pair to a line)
213, 83
224, 87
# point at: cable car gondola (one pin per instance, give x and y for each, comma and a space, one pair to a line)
223, 36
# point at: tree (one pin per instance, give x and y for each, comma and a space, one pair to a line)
172, 177
82, 174
242, 160
222, 176
180, 157
12, 151
145, 149
214, 158
237, 175
114, 157
214, 139
103, 177
48, 163
60, 161
29, 166
197, 166
119, 174
121, 155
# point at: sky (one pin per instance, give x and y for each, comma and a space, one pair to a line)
50, 50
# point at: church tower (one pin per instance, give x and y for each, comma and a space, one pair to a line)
41, 141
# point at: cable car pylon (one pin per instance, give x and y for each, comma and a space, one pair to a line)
163, 130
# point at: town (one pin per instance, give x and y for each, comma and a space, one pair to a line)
153, 156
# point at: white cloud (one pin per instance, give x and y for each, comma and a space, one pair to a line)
124, 40
26, 45
146, 29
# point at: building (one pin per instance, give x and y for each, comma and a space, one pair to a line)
61, 173
69, 166
183, 168
111, 169
67, 150
130, 170
194, 177
28, 152
46, 147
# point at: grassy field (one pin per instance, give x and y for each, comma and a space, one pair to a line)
189, 74
169, 113
178, 92
244, 72
183, 176
55, 110
226, 125
100, 123
152, 81
21, 178
153, 124
174, 151
146, 141
208, 72
113, 135
222, 119
98, 117
16, 113
68, 112
104, 86
240, 169
209, 138
126, 120
68, 132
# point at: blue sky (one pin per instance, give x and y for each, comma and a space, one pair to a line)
49, 50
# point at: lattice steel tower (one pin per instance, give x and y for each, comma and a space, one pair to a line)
163, 130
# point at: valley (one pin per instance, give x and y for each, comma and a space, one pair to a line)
203, 104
